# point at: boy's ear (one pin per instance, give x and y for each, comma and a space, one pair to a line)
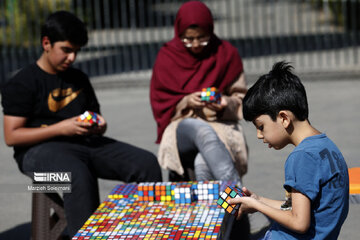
285, 118
46, 44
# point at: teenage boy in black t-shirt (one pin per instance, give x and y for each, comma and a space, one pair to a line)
41, 104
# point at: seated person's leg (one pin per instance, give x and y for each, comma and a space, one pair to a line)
187, 155
197, 134
66, 157
202, 170
116, 160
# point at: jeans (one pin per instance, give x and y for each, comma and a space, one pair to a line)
200, 148
99, 157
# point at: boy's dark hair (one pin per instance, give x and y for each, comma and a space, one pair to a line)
65, 26
278, 90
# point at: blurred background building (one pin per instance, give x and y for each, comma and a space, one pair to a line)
320, 37
317, 36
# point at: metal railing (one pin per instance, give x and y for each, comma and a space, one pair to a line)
125, 35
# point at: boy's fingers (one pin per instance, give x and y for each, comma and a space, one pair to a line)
246, 191
234, 201
85, 125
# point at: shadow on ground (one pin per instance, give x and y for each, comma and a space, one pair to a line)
22, 232
19, 232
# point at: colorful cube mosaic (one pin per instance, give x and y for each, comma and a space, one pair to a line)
228, 193
180, 192
206, 190
160, 220
146, 191
184, 193
164, 191
210, 94
90, 117
129, 218
124, 191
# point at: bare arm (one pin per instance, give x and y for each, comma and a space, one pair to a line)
16, 134
297, 219
271, 202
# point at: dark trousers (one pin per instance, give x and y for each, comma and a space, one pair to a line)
97, 157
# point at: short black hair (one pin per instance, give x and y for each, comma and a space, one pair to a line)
278, 90
65, 26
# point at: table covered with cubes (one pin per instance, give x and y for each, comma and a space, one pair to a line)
162, 210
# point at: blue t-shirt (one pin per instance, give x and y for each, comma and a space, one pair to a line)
317, 169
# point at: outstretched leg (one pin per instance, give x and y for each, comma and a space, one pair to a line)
197, 135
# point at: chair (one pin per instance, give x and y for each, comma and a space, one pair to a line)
354, 182
48, 216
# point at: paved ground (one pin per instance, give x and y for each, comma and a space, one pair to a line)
333, 109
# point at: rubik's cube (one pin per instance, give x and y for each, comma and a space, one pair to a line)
146, 191
183, 193
178, 192
210, 94
206, 190
124, 191
90, 117
230, 192
164, 191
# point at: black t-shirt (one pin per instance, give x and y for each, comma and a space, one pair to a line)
45, 99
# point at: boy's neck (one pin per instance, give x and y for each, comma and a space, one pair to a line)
302, 130
43, 63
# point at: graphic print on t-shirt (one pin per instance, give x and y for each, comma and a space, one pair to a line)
59, 98
337, 168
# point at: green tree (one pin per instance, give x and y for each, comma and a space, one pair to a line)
23, 19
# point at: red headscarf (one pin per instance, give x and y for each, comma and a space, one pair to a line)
177, 73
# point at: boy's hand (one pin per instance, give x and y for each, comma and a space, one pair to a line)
71, 127
247, 202
100, 128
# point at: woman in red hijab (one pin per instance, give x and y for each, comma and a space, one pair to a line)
190, 130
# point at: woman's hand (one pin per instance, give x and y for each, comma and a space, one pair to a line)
216, 106
193, 100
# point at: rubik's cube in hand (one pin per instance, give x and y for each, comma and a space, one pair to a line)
90, 117
230, 192
210, 94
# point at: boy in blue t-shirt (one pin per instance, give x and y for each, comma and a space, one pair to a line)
316, 174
